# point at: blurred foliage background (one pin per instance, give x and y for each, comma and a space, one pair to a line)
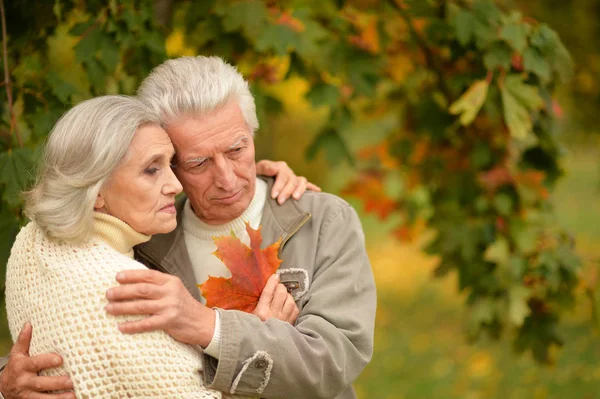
463, 131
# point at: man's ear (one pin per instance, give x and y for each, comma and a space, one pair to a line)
99, 203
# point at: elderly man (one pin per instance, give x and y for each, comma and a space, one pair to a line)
209, 113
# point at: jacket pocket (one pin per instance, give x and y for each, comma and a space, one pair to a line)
296, 281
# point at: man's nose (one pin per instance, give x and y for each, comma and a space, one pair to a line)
224, 176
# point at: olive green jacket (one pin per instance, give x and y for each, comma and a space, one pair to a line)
326, 269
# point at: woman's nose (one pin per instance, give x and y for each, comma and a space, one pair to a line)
172, 186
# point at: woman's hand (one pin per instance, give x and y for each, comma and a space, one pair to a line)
286, 182
276, 302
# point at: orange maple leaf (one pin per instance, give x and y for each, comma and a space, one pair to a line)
250, 269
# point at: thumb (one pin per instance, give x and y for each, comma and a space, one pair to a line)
266, 297
21, 345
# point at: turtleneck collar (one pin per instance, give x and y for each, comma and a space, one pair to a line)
192, 224
116, 233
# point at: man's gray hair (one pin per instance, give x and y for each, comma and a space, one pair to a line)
190, 86
83, 149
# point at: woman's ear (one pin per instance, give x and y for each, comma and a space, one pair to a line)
99, 203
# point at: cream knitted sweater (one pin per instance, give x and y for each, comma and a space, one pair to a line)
61, 288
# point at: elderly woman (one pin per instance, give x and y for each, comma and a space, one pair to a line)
105, 185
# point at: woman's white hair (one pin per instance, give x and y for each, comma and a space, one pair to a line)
196, 86
83, 149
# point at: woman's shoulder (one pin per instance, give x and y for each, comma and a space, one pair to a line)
32, 245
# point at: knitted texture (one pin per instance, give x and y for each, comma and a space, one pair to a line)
61, 289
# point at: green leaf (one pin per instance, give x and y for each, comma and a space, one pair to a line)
503, 204
334, 146
249, 16
16, 171
278, 38
323, 94
484, 34
469, 104
515, 32
518, 309
487, 11
88, 45
80, 28
519, 101
312, 40
60, 88
524, 236
96, 74
481, 156
498, 252
156, 42
464, 26
9, 227
498, 56
110, 53
483, 312
535, 63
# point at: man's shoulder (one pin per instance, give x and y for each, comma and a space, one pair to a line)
326, 208
322, 200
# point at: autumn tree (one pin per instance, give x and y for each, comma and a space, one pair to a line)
469, 86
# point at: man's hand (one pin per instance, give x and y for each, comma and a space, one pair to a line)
20, 378
286, 182
276, 302
166, 302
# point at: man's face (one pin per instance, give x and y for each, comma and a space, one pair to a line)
215, 162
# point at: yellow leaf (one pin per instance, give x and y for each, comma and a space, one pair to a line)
469, 104
176, 46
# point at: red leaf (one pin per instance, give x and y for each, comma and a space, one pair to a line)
250, 269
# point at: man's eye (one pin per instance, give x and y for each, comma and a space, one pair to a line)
236, 150
198, 164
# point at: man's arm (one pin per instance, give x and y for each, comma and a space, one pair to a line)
20, 379
332, 341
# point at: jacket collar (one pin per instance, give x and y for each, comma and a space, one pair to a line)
168, 252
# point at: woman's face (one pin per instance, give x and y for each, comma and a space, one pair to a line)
141, 191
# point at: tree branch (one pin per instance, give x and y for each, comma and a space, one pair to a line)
13, 120
429, 56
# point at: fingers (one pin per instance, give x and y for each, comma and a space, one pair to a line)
130, 292
43, 361
21, 345
62, 383
151, 323
142, 276
278, 299
282, 176
300, 187
64, 395
266, 297
134, 308
266, 168
313, 187
290, 311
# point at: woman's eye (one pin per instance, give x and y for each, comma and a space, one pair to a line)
151, 171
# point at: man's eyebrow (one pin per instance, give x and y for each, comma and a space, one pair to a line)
231, 147
237, 143
195, 160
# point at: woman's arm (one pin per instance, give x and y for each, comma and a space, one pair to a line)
69, 316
